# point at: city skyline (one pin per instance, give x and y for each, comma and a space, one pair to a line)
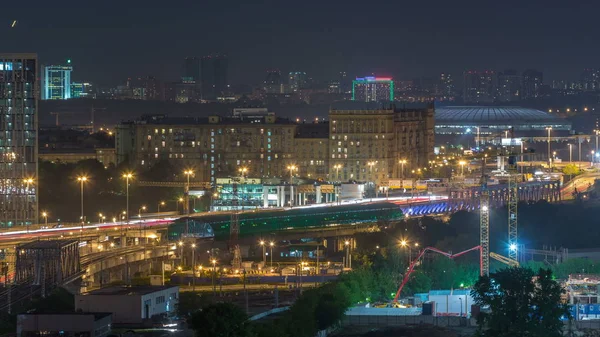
317, 44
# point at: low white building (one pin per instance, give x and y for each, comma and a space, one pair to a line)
130, 305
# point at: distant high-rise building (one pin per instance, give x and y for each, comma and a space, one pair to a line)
297, 80
445, 86
509, 86
272, 84
153, 89
345, 83
214, 69
191, 69
373, 89
590, 79
532, 83
56, 81
82, 90
19, 160
479, 86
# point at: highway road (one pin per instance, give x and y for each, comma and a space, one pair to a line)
581, 183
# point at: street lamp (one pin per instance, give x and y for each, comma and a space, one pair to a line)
214, 263
143, 208
347, 245
188, 173
271, 244
243, 171
405, 244
82, 180
292, 168
570, 153
462, 167
162, 203
337, 168
101, 217
180, 243
45, 215
193, 267
264, 248
549, 128
181, 201
402, 162
127, 176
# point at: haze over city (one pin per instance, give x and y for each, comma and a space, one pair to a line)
308, 169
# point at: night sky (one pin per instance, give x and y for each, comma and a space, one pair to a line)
112, 40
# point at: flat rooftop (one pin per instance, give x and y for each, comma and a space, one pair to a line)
128, 291
97, 315
47, 244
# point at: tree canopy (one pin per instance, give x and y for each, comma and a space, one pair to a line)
220, 320
521, 304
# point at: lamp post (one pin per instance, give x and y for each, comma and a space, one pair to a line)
271, 244
402, 162
549, 140
45, 215
347, 245
337, 168
181, 201
292, 168
214, 263
101, 218
193, 267
143, 208
188, 173
162, 203
264, 254
127, 176
180, 243
570, 153
82, 180
405, 244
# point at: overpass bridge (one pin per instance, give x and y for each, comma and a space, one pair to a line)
40, 266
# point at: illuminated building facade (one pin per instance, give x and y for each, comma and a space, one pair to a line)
81, 90
56, 82
373, 89
368, 143
362, 144
18, 139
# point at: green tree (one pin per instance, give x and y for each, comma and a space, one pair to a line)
519, 306
190, 302
547, 305
220, 320
571, 170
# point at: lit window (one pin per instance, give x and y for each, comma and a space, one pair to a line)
164, 143
155, 130
149, 137
156, 155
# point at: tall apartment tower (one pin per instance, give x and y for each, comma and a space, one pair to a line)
18, 140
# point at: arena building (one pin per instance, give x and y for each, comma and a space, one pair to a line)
494, 121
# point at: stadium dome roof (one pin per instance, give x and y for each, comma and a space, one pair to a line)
474, 115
